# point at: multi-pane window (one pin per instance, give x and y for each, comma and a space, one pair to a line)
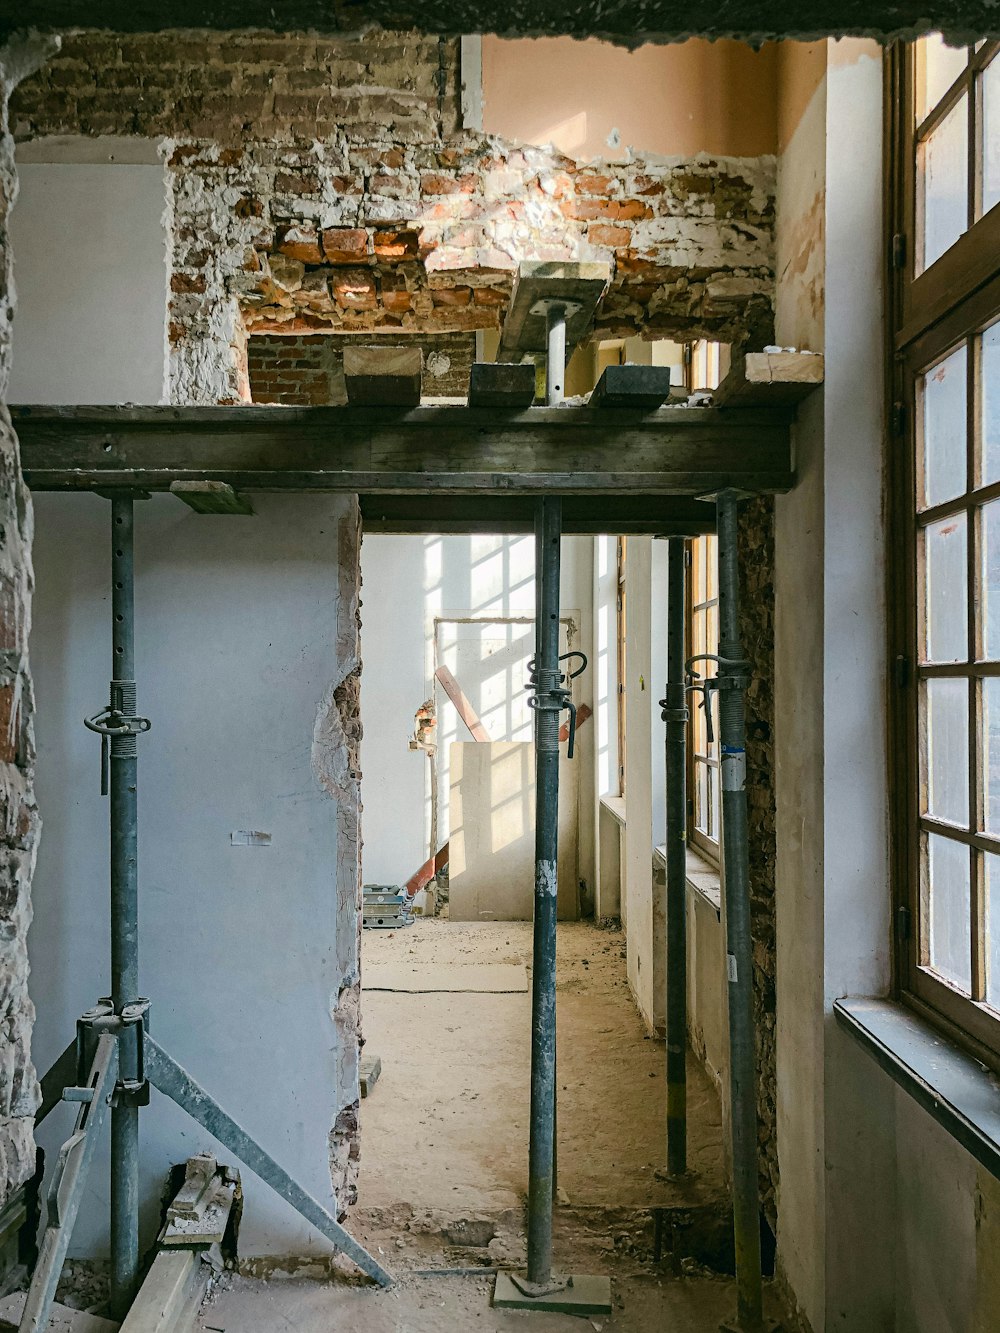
957, 133
945, 490
958, 666
703, 638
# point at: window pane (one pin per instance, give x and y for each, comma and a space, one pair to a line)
943, 182
991, 580
991, 756
991, 135
945, 590
938, 66
948, 910
992, 930
943, 392
701, 796
711, 558
715, 827
991, 403
946, 761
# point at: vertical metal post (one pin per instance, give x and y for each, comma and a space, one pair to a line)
732, 682
675, 714
555, 354
124, 914
543, 998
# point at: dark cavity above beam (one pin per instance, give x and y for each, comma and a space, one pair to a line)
629, 25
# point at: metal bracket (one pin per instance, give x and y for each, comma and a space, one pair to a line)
731, 673
103, 1021
552, 696
547, 303
113, 722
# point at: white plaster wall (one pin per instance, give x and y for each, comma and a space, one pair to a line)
90, 264
241, 631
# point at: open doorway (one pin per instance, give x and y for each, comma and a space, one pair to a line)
448, 764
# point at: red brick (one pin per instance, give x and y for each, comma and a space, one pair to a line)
632, 210
593, 184
187, 282
300, 243
355, 290
451, 295
398, 302
345, 245
599, 234
397, 245
435, 184
489, 296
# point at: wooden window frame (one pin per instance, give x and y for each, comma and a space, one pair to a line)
929, 314
698, 838
621, 555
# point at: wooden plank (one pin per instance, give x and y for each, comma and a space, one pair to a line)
642, 388
170, 1293
466, 711
383, 376
580, 285
655, 515
763, 378
451, 450
211, 497
505, 385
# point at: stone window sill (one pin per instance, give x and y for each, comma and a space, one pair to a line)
961, 1094
702, 876
615, 806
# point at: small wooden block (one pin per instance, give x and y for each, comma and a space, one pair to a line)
211, 497
507, 385
383, 376
771, 378
642, 388
371, 1068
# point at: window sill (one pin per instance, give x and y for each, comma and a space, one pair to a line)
702, 876
961, 1094
615, 806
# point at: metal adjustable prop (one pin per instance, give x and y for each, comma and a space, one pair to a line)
551, 692
732, 673
117, 726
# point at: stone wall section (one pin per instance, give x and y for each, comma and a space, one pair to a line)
19, 821
756, 548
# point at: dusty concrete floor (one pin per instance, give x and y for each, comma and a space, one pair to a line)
455, 1305
444, 1156
447, 1125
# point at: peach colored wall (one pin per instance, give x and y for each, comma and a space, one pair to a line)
685, 98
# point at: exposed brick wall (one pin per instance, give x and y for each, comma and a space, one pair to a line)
347, 236
309, 371
232, 86
756, 551
19, 822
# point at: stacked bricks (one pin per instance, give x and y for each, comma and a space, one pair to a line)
308, 371
228, 86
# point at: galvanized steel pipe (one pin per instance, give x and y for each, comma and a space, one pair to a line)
675, 714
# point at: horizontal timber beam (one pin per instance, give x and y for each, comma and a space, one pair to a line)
448, 450
618, 515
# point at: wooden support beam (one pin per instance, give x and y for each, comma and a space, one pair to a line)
619, 515
506, 386
383, 376
642, 388
210, 497
448, 450
758, 379
466, 711
580, 286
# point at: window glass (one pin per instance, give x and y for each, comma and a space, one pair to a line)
944, 429
943, 182
946, 741
945, 598
949, 898
938, 66
991, 135
991, 580
991, 755
990, 396
992, 930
